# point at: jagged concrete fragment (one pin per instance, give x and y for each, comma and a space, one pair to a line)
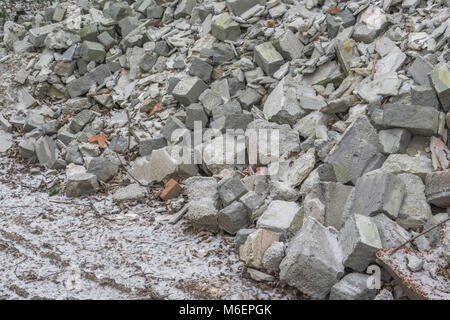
233, 217
415, 211
93, 51
394, 140
301, 168
188, 90
252, 251
204, 201
391, 233
440, 80
46, 151
195, 113
238, 7
268, 58
343, 18
79, 182
282, 217
437, 188
424, 96
357, 148
379, 193
273, 256
353, 287
359, 241
231, 189
131, 192
403, 163
103, 167
288, 45
225, 28
313, 261
184, 8
419, 70
147, 146
419, 120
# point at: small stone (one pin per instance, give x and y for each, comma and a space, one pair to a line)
424, 96
273, 256
288, 45
343, 18
414, 264
252, 251
129, 193
440, 80
394, 140
188, 90
352, 287
233, 217
79, 182
437, 188
230, 189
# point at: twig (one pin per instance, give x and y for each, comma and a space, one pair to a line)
373, 67
420, 234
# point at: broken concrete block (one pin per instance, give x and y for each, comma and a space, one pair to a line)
78, 87
357, 148
273, 256
81, 120
391, 233
288, 45
225, 28
313, 261
301, 168
33, 121
343, 18
188, 90
103, 167
329, 72
252, 251
79, 182
282, 105
200, 68
106, 40
238, 7
378, 193
6, 141
424, 96
437, 188
129, 193
283, 217
233, 217
440, 80
37, 36
402, 163
353, 287
204, 201
252, 201
394, 140
147, 146
415, 211
419, 120
26, 147
230, 189
46, 151
268, 58
171, 127
242, 235
93, 51
419, 71
359, 241
184, 8
195, 113
128, 24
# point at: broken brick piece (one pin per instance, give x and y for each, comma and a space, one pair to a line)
172, 190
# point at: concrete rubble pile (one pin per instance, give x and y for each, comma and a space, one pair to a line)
358, 92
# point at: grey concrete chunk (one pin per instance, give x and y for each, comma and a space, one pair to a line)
256, 244
268, 58
147, 146
379, 193
359, 241
93, 51
81, 120
238, 7
343, 18
394, 140
440, 80
230, 189
353, 287
200, 68
288, 45
233, 217
188, 90
131, 192
79, 182
415, 211
225, 28
419, 70
273, 256
204, 201
283, 217
357, 148
437, 188
391, 233
103, 167
419, 120
184, 8
313, 262
424, 96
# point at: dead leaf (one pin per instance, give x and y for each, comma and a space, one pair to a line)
156, 108
100, 139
